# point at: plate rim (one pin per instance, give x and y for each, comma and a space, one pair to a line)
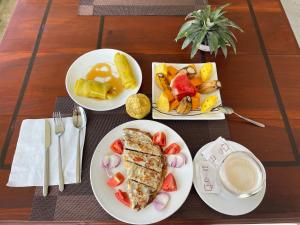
176, 208
197, 155
95, 51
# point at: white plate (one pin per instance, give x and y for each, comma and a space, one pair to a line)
83, 65
225, 202
105, 194
194, 114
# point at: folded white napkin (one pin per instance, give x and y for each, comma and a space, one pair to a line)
207, 167
28, 163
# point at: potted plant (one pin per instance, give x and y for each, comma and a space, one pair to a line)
208, 30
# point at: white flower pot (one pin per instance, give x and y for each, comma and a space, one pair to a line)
204, 48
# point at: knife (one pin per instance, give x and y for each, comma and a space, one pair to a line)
46, 160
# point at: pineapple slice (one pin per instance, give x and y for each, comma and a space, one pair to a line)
206, 71
161, 68
209, 103
163, 103
161, 72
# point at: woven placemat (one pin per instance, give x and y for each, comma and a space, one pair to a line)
77, 202
138, 7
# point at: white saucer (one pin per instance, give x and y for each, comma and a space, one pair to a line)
224, 202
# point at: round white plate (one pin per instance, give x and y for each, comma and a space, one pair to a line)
105, 195
225, 202
83, 65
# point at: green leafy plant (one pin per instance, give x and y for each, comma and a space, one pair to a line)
208, 27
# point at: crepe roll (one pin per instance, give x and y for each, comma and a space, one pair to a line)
125, 71
92, 89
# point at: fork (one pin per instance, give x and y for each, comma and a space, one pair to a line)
59, 130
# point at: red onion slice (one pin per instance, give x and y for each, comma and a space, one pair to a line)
176, 161
172, 161
111, 161
161, 201
106, 161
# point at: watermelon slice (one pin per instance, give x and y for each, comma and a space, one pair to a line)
181, 86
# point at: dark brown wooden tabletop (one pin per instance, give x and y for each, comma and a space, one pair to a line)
262, 81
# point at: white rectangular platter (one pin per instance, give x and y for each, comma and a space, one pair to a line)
193, 114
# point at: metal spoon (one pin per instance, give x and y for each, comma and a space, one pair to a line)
79, 121
228, 110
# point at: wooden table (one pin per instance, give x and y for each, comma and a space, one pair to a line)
262, 81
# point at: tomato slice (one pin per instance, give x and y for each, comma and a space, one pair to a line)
172, 149
123, 197
117, 146
169, 183
137, 159
159, 138
116, 180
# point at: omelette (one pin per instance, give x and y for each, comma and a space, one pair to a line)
145, 166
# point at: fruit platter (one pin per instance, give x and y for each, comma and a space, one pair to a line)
141, 172
185, 91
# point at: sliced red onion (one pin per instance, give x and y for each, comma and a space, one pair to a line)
106, 161
109, 173
171, 160
111, 161
176, 161
161, 201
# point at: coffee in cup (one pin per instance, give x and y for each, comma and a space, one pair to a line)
242, 174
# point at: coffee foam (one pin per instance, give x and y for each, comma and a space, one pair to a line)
241, 174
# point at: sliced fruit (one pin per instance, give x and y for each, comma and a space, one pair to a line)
161, 73
185, 105
174, 104
116, 180
159, 138
163, 103
172, 71
181, 86
196, 101
161, 68
172, 149
117, 146
196, 81
169, 95
122, 196
209, 103
209, 86
162, 81
190, 70
169, 183
206, 71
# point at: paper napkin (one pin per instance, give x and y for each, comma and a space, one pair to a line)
217, 152
28, 163
207, 167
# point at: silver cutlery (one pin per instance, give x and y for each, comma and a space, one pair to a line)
46, 159
59, 130
228, 110
79, 121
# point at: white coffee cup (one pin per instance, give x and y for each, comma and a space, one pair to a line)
242, 174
